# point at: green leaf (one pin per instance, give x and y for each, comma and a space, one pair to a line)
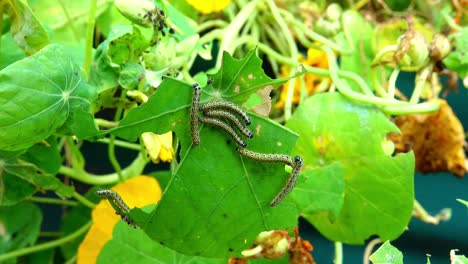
378, 194
26, 30
387, 254
19, 179
45, 156
463, 202
223, 199
50, 98
457, 60
129, 245
124, 44
130, 75
217, 202
9, 51
20, 226
322, 189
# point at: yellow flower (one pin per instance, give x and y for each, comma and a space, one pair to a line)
209, 6
315, 58
159, 147
136, 192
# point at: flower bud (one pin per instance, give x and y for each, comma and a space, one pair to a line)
414, 48
136, 11
440, 47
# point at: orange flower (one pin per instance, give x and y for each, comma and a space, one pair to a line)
315, 58
133, 192
209, 6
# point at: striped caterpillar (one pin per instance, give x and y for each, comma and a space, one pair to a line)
227, 106
219, 113
120, 207
194, 115
295, 163
218, 123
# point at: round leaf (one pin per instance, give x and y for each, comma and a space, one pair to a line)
378, 191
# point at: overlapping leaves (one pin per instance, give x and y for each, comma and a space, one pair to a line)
216, 202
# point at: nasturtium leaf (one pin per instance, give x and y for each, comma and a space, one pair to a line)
458, 59
19, 179
47, 100
26, 30
320, 189
378, 190
20, 224
10, 52
387, 254
217, 202
129, 245
130, 75
124, 44
45, 155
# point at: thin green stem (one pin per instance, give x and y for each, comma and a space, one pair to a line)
132, 170
120, 143
215, 23
338, 253
71, 260
451, 22
83, 200
50, 234
69, 20
392, 83
105, 123
232, 31
47, 200
421, 108
275, 11
47, 245
90, 36
111, 147
421, 78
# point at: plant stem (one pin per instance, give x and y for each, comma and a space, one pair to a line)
421, 78
211, 24
83, 200
132, 170
369, 248
391, 83
89, 36
50, 234
120, 143
47, 245
47, 200
338, 253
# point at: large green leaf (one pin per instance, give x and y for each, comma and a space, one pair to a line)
320, 189
39, 95
129, 245
26, 30
216, 202
458, 59
378, 191
20, 226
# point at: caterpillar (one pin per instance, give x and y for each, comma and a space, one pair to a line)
266, 157
219, 113
289, 183
194, 115
215, 122
129, 221
120, 207
228, 106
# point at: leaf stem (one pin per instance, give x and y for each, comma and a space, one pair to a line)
338, 253
69, 20
211, 24
121, 143
391, 83
132, 170
89, 36
83, 200
48, 200
47, 245
421, 78
368, 250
